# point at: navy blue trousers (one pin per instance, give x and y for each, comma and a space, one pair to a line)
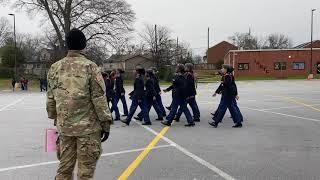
155, 105
143, 106
160, 104
114, 108
182, 103
231, 104
124, 103
195, 109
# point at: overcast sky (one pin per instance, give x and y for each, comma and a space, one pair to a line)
189, 19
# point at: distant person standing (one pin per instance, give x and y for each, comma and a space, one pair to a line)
76, 99
22, 83
25, 82
41, 85
45, 84
13, 83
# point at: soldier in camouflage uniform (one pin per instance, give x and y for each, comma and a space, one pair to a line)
76, 100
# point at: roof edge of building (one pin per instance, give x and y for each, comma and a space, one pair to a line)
267, 50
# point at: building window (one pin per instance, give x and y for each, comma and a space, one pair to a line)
280, 66
298, 65
243, 66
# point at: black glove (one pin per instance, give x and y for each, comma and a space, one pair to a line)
104, 136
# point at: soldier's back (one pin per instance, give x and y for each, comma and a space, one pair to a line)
69, 80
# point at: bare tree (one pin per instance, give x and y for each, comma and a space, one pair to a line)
277, 41
101, 20
246, 41
5, 30
157, 41
197, 59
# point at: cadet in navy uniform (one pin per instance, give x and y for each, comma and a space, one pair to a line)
138, 98
178, 97
151, 91
151, 95
229, 95
120, 91
110, 93
191, 93
158, 91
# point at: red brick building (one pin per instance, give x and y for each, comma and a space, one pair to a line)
279, 63
219, 51
315, 44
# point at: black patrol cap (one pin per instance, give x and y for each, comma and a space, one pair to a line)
76, 40
228, 67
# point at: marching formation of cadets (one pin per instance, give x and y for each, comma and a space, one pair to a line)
147, 94
77, 103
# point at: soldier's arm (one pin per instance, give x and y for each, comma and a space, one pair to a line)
98, 98
51, 103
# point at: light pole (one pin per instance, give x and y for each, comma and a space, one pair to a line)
311, 49
15, 44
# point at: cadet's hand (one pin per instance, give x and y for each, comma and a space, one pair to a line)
154, 98
237, 98
104, 136
122, 94
139, 100
214, 95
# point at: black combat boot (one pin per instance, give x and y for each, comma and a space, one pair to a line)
238, 125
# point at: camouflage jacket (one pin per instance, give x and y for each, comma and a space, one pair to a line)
76, 96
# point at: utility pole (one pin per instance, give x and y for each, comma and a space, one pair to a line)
208, 44
156, 43
311, 42
177, 51
15, 45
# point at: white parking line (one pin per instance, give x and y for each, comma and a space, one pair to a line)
267, 111
55, 162
191, 155
288, 107
11, 104
282, 114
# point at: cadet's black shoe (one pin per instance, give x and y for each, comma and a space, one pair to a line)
125, 115
238, 125
147, 124
190, 125
213, 124
125, 122
138, 119
169, 108
166, 123
159, 119
196, 120
176, 119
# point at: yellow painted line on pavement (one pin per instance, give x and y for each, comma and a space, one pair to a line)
294, 100
143, 154
301, 103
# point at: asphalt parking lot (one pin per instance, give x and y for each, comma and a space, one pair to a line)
279, 140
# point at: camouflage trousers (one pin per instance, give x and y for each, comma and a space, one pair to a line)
84, 149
